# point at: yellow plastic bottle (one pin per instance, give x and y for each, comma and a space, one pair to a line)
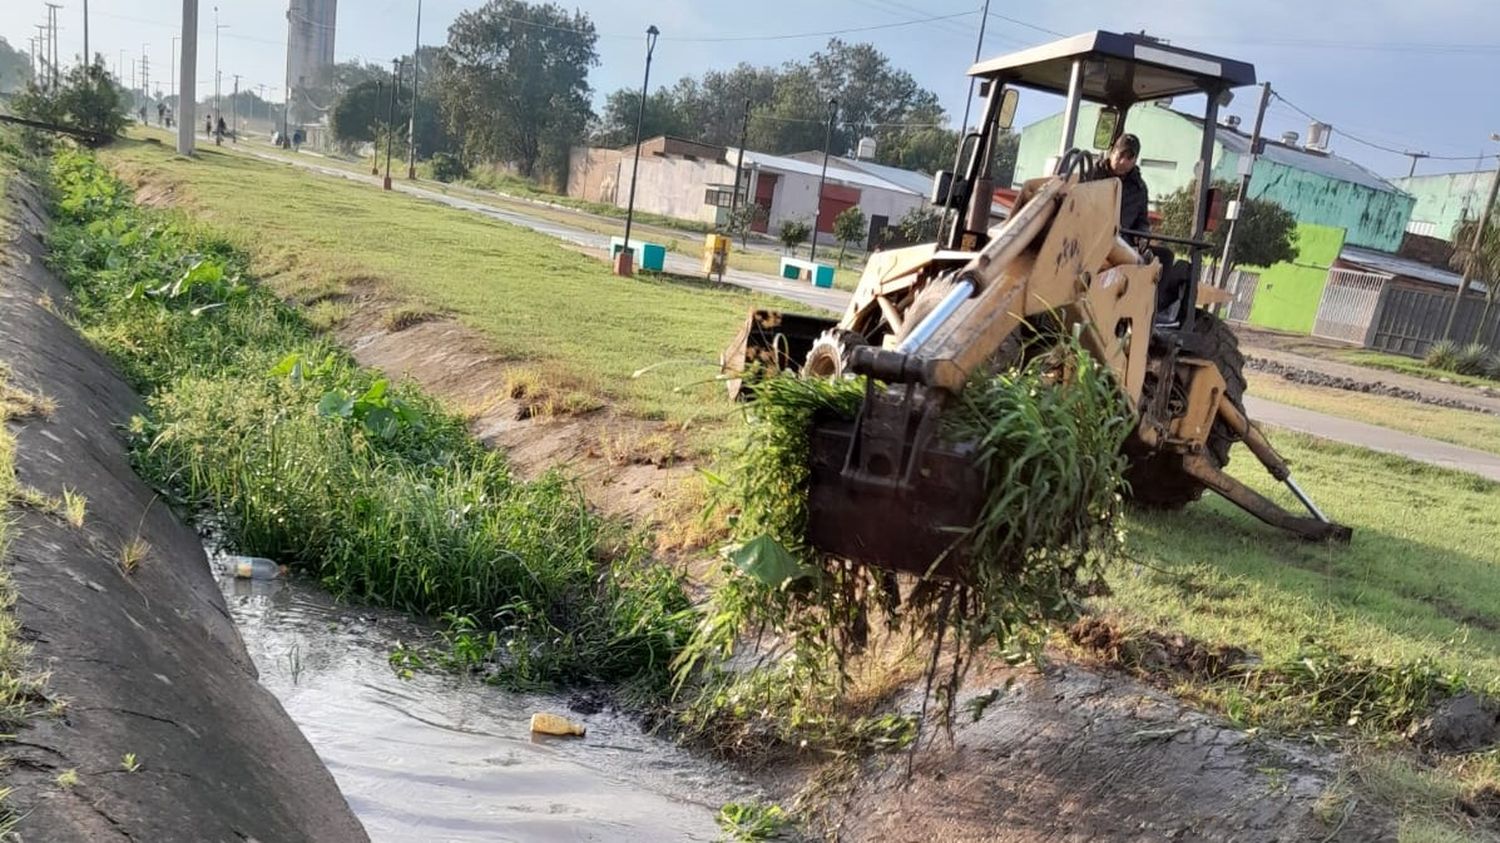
555, 724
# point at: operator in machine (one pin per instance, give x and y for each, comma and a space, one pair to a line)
1121, 163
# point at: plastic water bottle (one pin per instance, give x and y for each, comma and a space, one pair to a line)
254, 568
555, 724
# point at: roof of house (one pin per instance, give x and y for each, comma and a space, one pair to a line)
1325, 164
915, 181
1389, 264
837, 174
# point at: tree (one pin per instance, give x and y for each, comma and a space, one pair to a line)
513, 84
1486, 260
617, 124
793, 233
358, 114
920, 224
88, 98
1265, 234
849, 227
15, 68
746, 215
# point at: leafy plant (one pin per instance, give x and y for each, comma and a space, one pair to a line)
447, 167
1442, 354
1472, 359
793, 233
381, 413
750, 821
129, 763
849, 227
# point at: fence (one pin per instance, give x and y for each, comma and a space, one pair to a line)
1350, 301
1242, 285
1412, 320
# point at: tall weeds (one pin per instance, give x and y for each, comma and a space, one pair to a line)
301, 456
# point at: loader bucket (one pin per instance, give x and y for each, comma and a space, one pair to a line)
916, 525
769, 342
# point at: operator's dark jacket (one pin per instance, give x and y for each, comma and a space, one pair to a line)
1133, 197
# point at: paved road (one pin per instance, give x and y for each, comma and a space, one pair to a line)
1268, 412
1374, 437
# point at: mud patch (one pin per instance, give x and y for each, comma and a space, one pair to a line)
1155, 652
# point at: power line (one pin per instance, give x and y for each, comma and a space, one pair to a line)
1028, 25
1371, 144
827, 32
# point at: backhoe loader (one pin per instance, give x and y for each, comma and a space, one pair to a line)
885, 490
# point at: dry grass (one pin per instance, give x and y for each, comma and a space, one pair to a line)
635, 447
400, 318
133, 553
73, 506
327, 314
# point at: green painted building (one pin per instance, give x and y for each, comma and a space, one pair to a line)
1319, 188
1445, 199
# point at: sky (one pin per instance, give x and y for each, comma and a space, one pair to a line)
1395, 73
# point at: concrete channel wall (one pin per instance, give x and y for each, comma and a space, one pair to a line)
145, 662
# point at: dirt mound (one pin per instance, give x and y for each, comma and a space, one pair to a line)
1155, 652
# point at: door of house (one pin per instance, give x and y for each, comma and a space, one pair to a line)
836, 199
878, 224
765, 191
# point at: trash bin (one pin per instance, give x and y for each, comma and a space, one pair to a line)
715, 254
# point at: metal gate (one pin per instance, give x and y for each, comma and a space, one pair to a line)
1242, 286
1350, 300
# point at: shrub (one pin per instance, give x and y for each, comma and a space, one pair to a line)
794, 233
447, 167
1473, 359
1442, 355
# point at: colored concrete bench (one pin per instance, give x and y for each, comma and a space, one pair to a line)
821, 274
651, 256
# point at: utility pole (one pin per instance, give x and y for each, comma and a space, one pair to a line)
52, 25
172, 76
1484, 219
390, 122
187, 85
234, 105
411, 126
833, 110
739, 167
963, 127
88, 58
1246, 166
145, 74
1414, 156
218, 103
286, 89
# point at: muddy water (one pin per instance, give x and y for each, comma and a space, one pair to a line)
445, 758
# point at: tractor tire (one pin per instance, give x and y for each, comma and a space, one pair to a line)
1157, 479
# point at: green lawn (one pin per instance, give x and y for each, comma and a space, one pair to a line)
1421, 577
1408, 366
1479, 431
533, 298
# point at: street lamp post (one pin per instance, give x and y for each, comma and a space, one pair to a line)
375, 159
390, 123
833, 110
411, 126
625, 260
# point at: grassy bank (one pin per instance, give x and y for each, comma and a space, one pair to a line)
1479, 431
533, 300
1409, 366
301, 456
1418, 584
